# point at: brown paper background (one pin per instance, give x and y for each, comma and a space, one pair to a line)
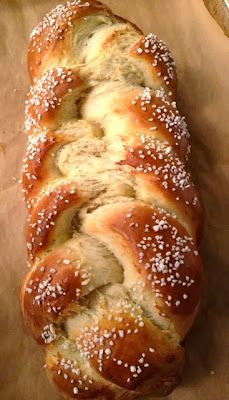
202, 54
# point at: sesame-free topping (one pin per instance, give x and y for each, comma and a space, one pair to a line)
42, 220
49, 334
164, 111
158, 158
98, 343
161, 54
34, 153
43, 96
162, 251
71, 371
55, 24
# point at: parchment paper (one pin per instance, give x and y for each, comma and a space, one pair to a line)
202, 54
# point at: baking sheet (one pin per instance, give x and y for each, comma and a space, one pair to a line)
202, 54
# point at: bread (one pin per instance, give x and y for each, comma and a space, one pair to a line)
114, 224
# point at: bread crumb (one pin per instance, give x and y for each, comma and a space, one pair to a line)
212, 372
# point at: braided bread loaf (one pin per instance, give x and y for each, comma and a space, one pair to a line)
114, 222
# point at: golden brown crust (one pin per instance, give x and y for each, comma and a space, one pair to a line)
158, 113
35, 168
44, 218
133, 353
154, 52
47, 95
160, 170
171, 264
49, 290
50, 36
39, 165
68, 375
86, 389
